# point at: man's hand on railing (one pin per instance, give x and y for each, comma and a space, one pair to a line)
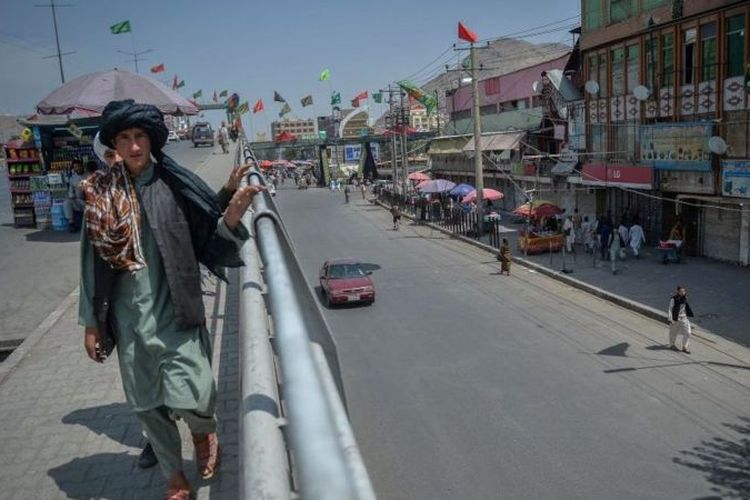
239, 204
238, 173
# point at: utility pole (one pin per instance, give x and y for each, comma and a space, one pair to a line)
478, 169
437, 110
390, 125
404, 120
136, 56
59, 55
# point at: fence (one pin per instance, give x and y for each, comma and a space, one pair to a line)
439, 211
295, 441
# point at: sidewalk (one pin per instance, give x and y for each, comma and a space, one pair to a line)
67, 431
719, 292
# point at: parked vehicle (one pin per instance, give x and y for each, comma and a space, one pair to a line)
203, 134
173, 136
345, 281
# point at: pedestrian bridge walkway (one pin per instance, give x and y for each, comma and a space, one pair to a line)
68, 432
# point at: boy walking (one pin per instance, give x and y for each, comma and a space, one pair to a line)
678, 315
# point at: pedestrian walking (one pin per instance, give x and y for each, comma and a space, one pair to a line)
637, 237
624, 233
614, 245
569, 233
588, 238
224, 138
605, 232
144, 281
505, 257
363, 188
396, 214
678, 317
347, 192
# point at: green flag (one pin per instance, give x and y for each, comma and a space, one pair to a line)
325, 75
243, 108
120, 28
428, 100
224, 93
335, 98
377, 97
180, 85
286, 109
306, 101
198, 94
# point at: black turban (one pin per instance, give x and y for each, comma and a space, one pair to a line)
122, 115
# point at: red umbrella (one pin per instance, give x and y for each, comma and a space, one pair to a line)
538, 208
418, 176
266, 164
487, 194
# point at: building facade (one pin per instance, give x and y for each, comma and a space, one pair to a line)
666, 118
301, 128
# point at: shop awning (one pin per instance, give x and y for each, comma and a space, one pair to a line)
563, 168
497, 142
448, 145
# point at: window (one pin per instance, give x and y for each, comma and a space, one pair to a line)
735, 45
668, 57
652, 62
598, 141
602, 78
592, 10
492, 86
653, 4
737, 138
618, 71
620, 10
709, 62
634, 67
688, 56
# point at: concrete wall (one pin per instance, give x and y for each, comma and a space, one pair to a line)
721, 230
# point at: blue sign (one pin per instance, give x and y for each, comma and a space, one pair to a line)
352, 152
676, 146
735, 180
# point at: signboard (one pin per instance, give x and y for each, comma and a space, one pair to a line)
322, 134
735, 178
676, 181
352, 152
632, 176
75, 131
676, 146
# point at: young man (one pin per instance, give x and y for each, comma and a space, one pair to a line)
678, 316
143, 281
637, 237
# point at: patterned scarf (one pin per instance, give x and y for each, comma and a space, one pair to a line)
113, 218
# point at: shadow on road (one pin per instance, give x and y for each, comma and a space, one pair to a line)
115, 420
88, 477
725, 463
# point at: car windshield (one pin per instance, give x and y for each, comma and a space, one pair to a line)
339, 271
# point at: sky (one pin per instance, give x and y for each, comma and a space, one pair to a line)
254, 48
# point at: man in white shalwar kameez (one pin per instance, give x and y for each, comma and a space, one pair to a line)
636, 238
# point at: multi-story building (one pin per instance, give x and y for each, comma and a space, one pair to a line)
666, 118
301, 128
419, 119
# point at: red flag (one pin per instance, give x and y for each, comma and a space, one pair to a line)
216, 97
361, 95
355, 103
258, 106
158, 68
465, 33
174, 83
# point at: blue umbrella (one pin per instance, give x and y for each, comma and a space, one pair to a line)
462, 190
436, 186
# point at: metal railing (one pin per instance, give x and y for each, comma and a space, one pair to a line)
326, 460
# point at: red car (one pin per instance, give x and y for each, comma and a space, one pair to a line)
344, 281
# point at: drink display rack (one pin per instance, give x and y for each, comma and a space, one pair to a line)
23, 163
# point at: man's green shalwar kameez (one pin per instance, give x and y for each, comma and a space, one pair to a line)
166, 372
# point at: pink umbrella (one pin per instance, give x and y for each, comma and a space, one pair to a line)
418, 176
91, 93
487, 194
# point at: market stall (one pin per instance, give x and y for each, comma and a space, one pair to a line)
533, 238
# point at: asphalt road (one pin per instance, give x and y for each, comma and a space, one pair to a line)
40, 268
462, 384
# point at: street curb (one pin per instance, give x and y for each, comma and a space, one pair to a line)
621, 301
7, 366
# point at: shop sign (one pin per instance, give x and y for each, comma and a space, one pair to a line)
687, 182
352, 152
676, 146
735, 178
75, 131
631, 176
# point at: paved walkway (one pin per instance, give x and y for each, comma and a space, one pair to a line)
67, 431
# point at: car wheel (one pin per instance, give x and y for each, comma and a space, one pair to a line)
327, 300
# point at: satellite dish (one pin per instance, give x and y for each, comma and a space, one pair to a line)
592, 87
641, 93
717, 145
537, 87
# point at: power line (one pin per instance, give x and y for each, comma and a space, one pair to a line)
59, 55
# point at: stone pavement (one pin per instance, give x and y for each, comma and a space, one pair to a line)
67, 431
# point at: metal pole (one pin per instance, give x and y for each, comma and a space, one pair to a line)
437, 110
57, 40
478, 170
264, 465
403, 115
